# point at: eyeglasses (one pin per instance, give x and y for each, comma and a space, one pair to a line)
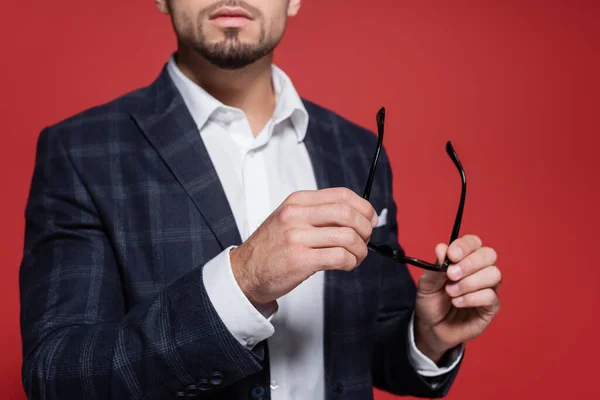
398, 254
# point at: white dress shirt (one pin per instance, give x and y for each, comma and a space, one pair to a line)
257, 174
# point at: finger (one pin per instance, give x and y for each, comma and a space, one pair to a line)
431, 281
336, 196
327, 237
485, 298
474, 262
463, 246
486, 278
342, 215
440, 252
333, 258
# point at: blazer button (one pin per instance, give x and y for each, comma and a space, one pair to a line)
203, 385
216, 378
180, 395
258, 393
191, 391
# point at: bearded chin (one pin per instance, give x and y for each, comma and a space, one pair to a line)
227, 55
231, 54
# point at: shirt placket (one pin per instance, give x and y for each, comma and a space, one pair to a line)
256, 189
254, 176
258, 206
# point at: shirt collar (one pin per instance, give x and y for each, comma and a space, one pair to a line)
202, 105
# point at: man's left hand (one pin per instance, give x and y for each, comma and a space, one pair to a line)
457, 306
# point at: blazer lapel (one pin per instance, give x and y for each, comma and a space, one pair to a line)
170, 128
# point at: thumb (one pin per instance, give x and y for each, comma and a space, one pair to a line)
440, 253
431, 281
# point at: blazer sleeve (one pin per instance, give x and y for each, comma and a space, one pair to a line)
392, 369
81, 340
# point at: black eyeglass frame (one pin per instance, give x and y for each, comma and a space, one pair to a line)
397, 254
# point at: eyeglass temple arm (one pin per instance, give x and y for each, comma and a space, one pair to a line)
380, 129
385, 250
459, 214
399, 254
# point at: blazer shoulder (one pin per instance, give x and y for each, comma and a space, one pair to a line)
93, 123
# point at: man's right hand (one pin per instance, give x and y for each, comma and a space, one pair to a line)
309, 232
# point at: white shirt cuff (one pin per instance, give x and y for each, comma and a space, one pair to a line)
423, 364
245, 322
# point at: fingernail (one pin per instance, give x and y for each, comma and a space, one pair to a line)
458, 301
455, 272
453, 289
456, 253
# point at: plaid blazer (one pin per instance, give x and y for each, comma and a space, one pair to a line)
124, 210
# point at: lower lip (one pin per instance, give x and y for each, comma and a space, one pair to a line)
231, 22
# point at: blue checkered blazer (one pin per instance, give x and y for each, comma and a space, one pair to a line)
124, 210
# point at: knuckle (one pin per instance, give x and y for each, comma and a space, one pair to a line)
295, 197
346, 213
287, 213
345, 194
291, 236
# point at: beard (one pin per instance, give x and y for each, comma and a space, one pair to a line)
231, 53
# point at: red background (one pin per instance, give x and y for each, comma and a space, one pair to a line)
514, 85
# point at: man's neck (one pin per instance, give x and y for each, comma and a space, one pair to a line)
249, 89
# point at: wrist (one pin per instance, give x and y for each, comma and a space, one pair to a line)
428, 344
237, 259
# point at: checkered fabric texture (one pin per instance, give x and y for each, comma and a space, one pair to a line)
124, 210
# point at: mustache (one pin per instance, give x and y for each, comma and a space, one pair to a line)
253, 11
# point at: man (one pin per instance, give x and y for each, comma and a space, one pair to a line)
202, 237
